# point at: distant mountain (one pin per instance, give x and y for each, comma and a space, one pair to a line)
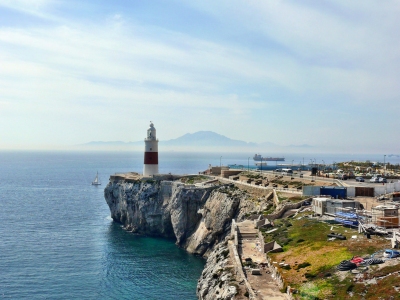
206, 138
201, 140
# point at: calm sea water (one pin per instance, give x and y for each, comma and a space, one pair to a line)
58, 241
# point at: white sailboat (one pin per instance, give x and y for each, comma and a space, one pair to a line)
96, 181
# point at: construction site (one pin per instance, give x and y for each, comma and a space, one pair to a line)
321, 233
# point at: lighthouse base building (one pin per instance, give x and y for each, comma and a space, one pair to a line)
150, 167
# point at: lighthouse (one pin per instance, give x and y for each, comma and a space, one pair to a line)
150, 152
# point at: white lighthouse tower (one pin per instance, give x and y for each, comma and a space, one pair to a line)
150, 152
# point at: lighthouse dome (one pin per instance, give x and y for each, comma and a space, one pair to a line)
151, 132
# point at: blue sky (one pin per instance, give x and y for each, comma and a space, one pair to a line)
324, 73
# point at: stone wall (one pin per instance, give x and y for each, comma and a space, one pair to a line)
285, 208
227, 173
237, 261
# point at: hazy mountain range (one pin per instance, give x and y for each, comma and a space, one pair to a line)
201, 140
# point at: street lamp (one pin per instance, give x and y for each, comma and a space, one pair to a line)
220, 165
384, 159
315, 161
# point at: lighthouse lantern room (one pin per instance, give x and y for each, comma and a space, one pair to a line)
150, 167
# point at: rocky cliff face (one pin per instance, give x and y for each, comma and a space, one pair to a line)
217, 280
197, 217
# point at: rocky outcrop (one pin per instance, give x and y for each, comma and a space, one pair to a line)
217, 280
199, 218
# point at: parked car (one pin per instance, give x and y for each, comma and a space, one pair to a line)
382, 180
342, 177
374, 179
359, 179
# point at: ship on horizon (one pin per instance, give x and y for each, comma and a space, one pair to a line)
258, 157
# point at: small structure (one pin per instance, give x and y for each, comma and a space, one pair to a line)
319, 205
385, 216
334, 191
272, 247
262, 222
217, 171
325, 205
334, 206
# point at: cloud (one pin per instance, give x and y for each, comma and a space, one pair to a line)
263, 62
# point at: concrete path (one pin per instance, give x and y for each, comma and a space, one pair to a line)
263, 285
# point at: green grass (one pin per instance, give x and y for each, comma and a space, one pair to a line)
194, 179
313, 259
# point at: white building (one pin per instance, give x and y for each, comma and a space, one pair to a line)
150, 167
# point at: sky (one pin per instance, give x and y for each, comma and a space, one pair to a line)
291, 72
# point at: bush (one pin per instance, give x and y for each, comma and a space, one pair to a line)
303, 265
309, 275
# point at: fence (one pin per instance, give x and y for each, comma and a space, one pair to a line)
383, 189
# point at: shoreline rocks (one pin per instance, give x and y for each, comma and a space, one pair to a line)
199, 218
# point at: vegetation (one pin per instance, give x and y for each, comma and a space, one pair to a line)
194, 179
269, 210
311, 260
253, 176
293, 199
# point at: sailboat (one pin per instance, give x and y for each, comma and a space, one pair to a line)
96, 181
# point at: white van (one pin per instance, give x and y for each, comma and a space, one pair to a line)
287, 171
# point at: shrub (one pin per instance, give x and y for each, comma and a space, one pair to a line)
309, 275
303, 265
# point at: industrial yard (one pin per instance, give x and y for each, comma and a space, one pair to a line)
313, 251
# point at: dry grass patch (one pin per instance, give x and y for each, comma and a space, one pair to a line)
320, 260
312, 260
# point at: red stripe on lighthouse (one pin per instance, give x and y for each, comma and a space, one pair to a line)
151, 158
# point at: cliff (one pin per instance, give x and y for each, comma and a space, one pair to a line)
217, 280
198, 217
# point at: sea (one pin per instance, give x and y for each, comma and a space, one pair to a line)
59, 242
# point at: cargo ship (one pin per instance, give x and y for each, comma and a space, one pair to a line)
258, 157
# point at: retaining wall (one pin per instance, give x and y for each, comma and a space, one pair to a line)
285, 208
237, 261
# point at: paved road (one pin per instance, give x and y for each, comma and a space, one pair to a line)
366, 183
